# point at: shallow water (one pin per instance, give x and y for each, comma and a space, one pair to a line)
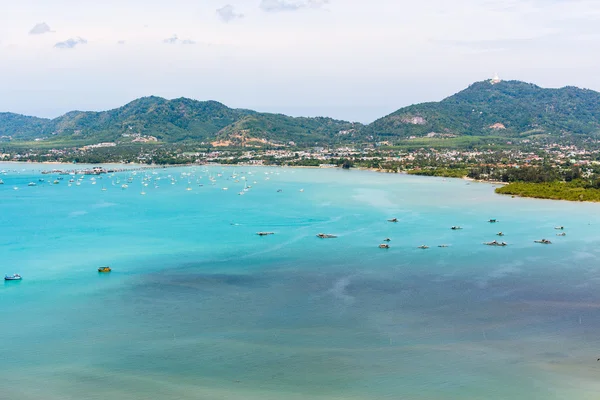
198, 306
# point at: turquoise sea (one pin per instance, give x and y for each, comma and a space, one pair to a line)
200, 307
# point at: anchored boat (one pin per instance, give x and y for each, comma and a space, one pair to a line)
13, 277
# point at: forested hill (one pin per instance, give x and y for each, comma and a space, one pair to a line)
174, 121
506, 109
509, 108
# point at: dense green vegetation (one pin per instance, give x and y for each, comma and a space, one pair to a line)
573, 191
522, 108
444, 172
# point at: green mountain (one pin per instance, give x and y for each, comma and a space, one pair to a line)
173, 121
506, 109
510, 108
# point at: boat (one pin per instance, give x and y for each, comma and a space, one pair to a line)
265, 233
13, 277
302, 190
423, 247
493, 221
55, 182
1, 182
32, 184
443, 245
456, 228
495, 243
326, 236
384, 246
393, 220
279, 190
543, 241
561, 234
104, 269
500, 234
387, 240
560, 228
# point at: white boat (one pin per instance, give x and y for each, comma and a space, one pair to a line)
13, 277
31, 184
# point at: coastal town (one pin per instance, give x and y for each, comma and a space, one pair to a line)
381, 158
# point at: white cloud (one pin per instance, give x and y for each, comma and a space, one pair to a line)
40, 29
70, 43
175, 40
290, 5
227, 13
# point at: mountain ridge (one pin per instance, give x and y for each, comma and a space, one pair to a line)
511, 109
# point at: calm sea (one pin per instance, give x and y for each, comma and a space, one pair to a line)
200, 307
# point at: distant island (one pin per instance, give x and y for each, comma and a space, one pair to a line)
543, 142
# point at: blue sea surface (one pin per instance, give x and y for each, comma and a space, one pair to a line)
200, 307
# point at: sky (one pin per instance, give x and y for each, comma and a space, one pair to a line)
356, 60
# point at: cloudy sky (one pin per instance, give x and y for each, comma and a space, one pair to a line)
349, 59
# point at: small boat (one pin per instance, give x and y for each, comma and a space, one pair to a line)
393, 220
55, 182
500, 234
13, 277
443, 246
41, 180
104, 269
543, 241
387, 240
1, 182
456, 228
326, 236
265, 233
32, 184
495, 243
302, 190
124, 186
561, 234
560, 228
279, 190
423, 247
384, 246
493, 221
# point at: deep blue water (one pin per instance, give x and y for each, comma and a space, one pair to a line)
200, 307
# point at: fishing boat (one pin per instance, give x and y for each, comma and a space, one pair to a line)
104, 269
495, 243
543, 241
13, 277
326, 236
384, 246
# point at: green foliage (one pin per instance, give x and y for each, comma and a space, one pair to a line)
445, 172
573, 191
